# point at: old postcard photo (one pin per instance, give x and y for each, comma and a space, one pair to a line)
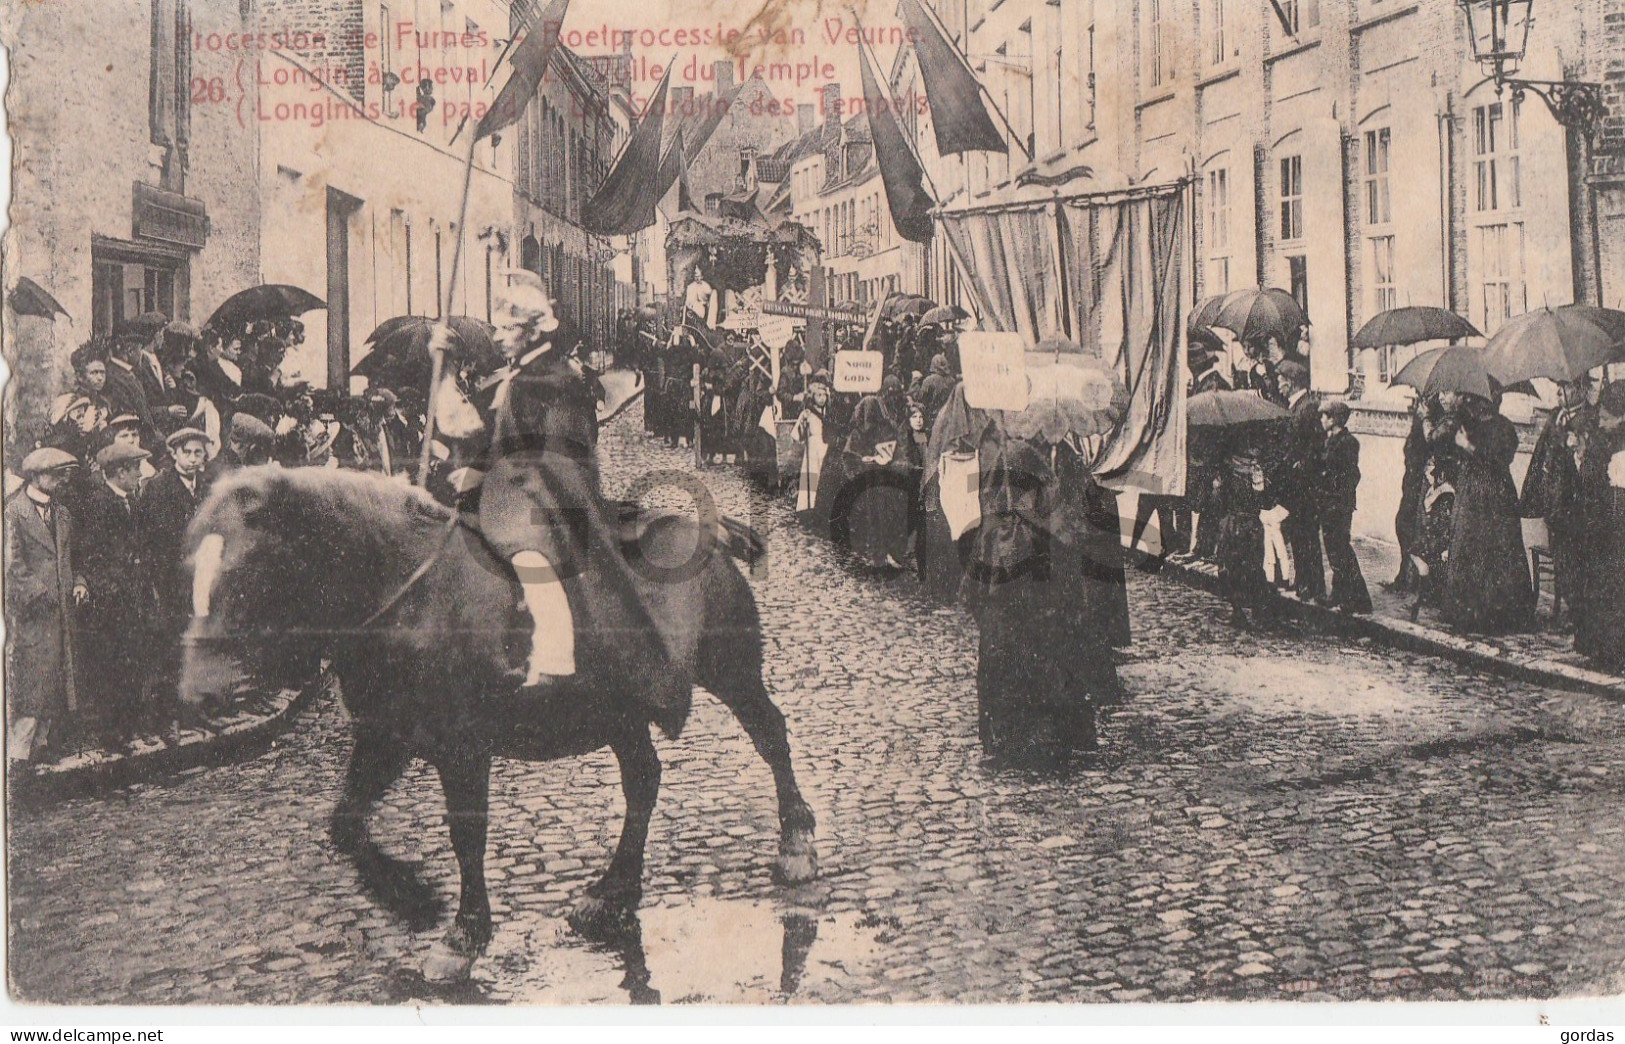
567, 502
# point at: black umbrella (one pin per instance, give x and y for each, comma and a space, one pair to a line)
1253, 315
400, 357
1227, 409
1558, 343
1453, 368
944, 315
29, 298
1413, 325
907, 304
1206, 313
267, 301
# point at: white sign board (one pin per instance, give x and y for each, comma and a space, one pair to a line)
995, 370
859, 372
776, 330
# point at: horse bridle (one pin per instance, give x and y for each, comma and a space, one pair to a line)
401, 591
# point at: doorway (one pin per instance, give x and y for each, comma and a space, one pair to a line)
340, 208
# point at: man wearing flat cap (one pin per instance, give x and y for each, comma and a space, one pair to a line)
249, 441
117, 616
167, 504
42, 593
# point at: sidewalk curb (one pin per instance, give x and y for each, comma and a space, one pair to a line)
82, 776
1419, 638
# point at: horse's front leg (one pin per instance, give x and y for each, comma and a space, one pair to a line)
609, 909
466, 781
377, 762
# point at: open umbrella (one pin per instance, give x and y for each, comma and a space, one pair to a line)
1253, 315
1559, 343
29, 298
1413, 325
400, 357
1453, 368
267, 301
906, 304
944, 315
1069, 391
1227, 409
1206, 313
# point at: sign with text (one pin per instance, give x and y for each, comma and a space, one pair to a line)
995, 370
776, 330
859, 372
805, 311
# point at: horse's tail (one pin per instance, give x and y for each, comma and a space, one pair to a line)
742, 542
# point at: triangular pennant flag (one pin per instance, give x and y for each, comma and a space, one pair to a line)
900, 172
529, 62
626, 201
954, 95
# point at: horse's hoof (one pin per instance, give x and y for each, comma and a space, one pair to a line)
447, 965
603, 919
798, 859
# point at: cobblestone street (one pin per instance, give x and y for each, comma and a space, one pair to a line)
1273, 816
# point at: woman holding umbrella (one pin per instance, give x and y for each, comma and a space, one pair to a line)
1233, 424
1041, 578
1487, 590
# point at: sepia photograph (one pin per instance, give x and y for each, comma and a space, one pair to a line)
1079, 506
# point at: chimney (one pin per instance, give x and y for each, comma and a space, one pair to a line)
806, 117
832, 103
724, 77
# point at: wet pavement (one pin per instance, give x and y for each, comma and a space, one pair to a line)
1274, 815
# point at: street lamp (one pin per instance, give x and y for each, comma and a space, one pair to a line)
1499, 30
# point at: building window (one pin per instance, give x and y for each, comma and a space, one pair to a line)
1155, 67
1299, 15
1218, 231
1384, 292
1291, 197
1500, 265
1497, 173
1218, 49
1378, 201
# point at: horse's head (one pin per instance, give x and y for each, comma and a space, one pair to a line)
270, 569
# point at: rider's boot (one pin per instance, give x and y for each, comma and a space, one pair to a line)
552, 649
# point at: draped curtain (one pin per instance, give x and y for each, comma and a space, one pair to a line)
1122, 264
1011, 256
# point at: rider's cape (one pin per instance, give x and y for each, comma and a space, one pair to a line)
542, 494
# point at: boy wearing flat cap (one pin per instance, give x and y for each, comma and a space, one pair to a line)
115, 623
167, 504
41, 595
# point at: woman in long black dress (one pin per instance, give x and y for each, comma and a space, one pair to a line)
1239, 496
883, 465
1488, 589
1044, 662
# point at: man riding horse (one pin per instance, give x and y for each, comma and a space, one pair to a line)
541, 507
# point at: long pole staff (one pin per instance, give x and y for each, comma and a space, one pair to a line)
442, 332
441, 336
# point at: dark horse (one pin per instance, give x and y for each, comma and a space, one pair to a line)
417, 618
